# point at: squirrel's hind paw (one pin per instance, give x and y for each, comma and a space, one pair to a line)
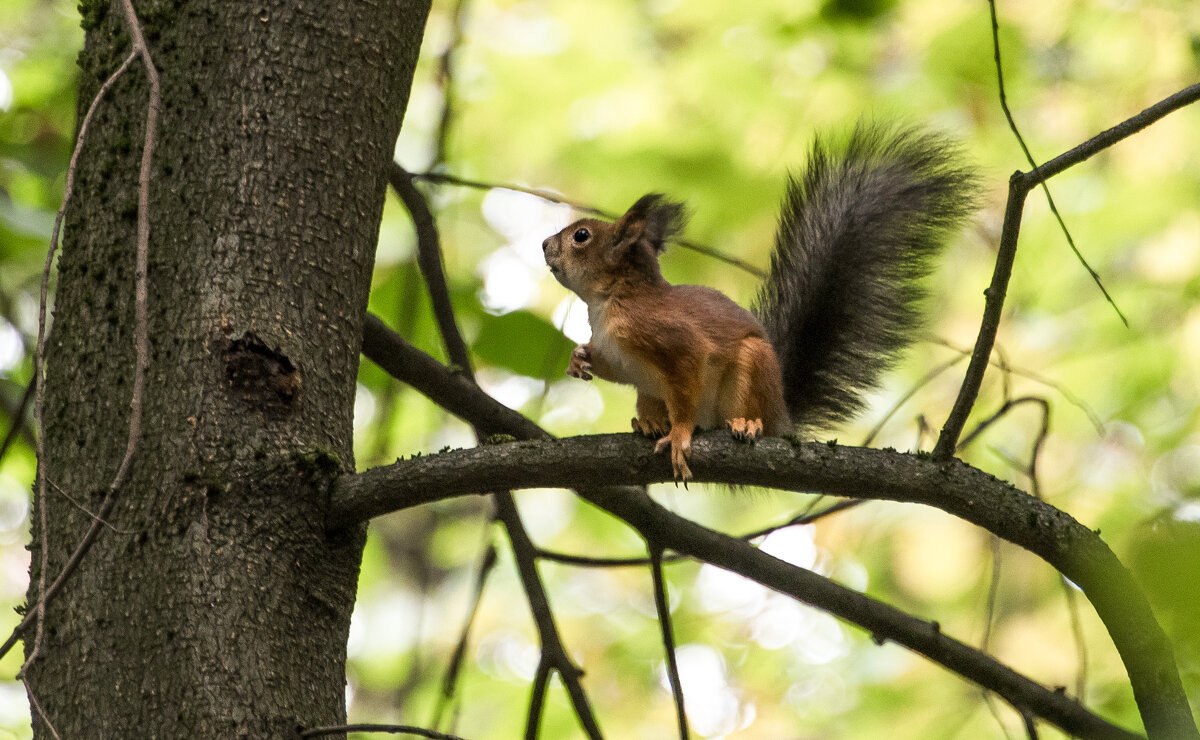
746, 430
648, 428
680, 450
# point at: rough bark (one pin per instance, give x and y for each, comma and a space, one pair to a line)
221, 608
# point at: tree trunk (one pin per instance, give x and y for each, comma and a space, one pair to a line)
220, 607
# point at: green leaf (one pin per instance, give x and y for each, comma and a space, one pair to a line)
524, 343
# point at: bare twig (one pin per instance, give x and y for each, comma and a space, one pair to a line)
663, 606
454, 668
388, 729
808, 517
1000, 413
1012, 124
1072, 598
44, 594
1031, 471
989, 621
546, 195
40, 713
912, 391
17, 421
552, 647
95, 517
1019, 186
39, 360
1030, 724
445, 64
1058, 388
429, 259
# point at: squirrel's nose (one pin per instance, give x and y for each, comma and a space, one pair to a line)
545, 244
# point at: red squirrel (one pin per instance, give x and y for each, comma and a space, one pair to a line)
857, 233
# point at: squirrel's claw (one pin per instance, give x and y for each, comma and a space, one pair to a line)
580, 365
745, 430
681, 449
648, 428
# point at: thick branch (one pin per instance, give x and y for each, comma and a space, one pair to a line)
950, 485
626, 459
840, 471
881, 620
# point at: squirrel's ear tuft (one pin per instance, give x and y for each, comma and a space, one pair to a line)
653, 219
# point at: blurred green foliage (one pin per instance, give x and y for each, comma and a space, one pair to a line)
713, 102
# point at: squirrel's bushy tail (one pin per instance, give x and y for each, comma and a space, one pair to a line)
857, 233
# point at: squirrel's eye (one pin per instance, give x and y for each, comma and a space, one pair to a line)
581, 236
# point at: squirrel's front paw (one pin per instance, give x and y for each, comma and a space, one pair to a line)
581, 363
680, 442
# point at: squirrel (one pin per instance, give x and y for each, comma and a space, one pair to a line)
858, 230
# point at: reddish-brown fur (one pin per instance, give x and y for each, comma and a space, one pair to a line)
695, 357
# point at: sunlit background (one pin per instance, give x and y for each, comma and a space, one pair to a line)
713, 102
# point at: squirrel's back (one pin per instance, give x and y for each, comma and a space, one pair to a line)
858, 231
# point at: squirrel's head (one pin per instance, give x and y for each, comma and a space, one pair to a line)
592, 257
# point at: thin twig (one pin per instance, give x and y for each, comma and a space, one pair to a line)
17, 421
39, 712
39, 361
663, 607
1030, 724
912, 391
95, 517
553, 649
993, 590
389, 729
550, 197
988, 621
1018, 188
454, 668
808, 517
1058, 388
429, 259
1012, 124
141, 343
1072, 597
445, 66
1069, 592
999, 414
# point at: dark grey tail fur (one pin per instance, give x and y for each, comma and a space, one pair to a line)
857, 233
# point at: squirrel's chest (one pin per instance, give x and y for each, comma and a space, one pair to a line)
608, 330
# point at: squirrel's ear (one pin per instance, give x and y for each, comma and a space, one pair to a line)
652, 220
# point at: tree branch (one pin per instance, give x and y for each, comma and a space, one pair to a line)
1012, 125
1019, 186
625, 459
858, 475
383, 729
953, 486
429, 258
549, 197
663, 606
